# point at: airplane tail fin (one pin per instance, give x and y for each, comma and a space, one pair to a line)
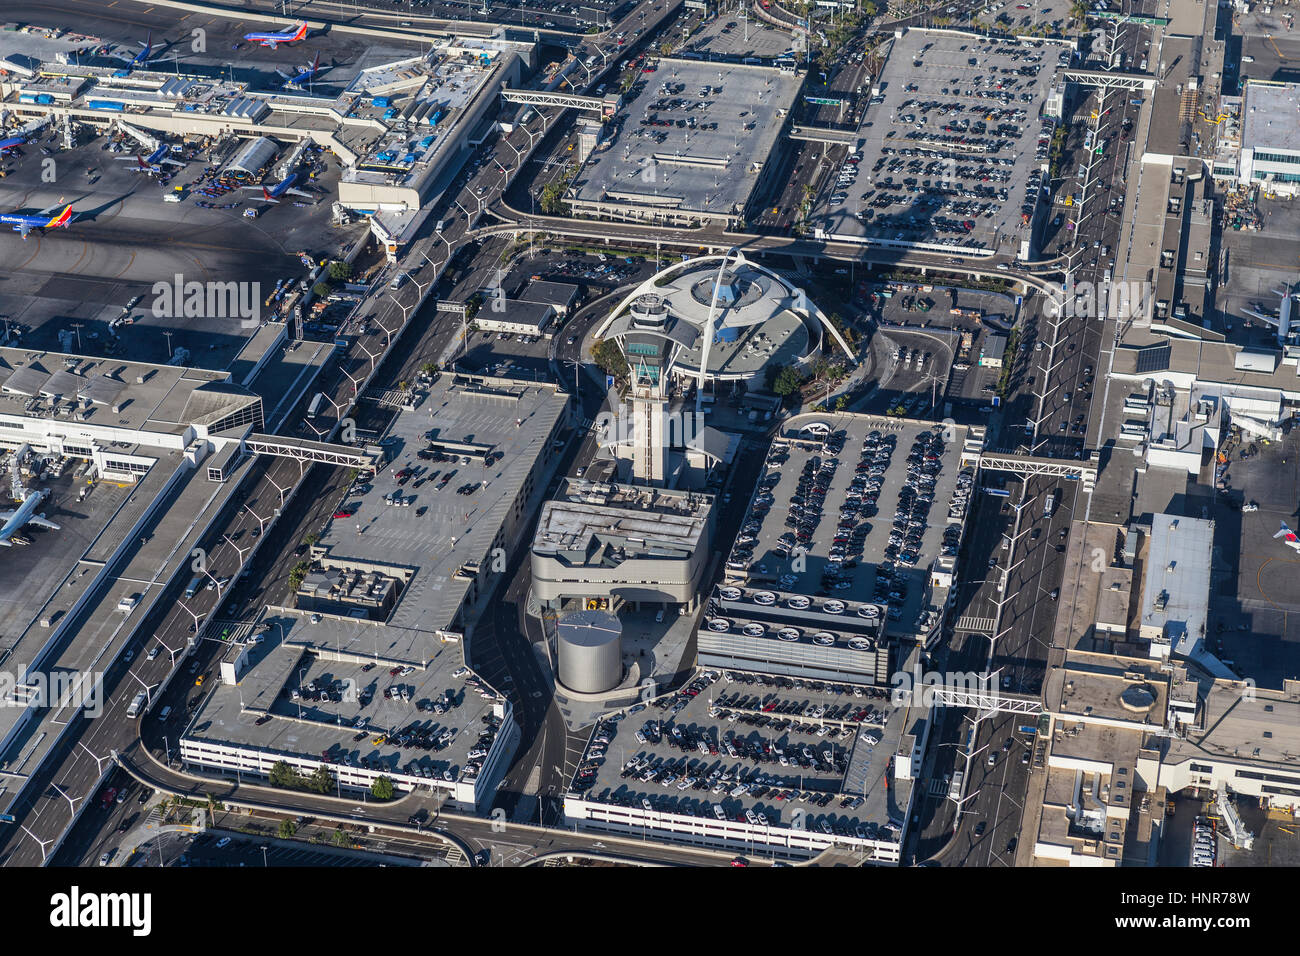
302, 31
1283, 531
266, 194
63, 218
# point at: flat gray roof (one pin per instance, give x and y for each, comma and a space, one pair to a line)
335, 651
643, 521
1272, 117
517, 421
692, 169
151, 397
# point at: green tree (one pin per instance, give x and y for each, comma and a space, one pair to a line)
310, 539
552, 198
609, 357
340, 271
1078, 13
321, 289
339, 837
287, 829
788, 382
282, 775
321, 780
297, 573
841, 402
382, 789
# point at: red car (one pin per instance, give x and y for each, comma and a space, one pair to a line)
108, 796
740, 860
343, 514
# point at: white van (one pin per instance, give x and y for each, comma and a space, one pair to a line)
659, 616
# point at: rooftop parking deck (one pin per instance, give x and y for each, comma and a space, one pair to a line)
764, 752
691, 139
342, 692
953, 145
459, 464
834, 496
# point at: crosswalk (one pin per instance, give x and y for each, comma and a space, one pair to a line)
969, 623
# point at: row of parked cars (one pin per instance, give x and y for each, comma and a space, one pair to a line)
758, 815
1204, 848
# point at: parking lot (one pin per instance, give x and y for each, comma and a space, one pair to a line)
904, 472
727, 36
953, 145
768, 751
689, 136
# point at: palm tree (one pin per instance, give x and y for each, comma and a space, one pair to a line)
1078, 12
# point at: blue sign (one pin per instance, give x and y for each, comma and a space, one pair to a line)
997, 400
997, 492
1020, 299
7, 818
609, 381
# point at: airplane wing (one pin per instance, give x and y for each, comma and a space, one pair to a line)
23, 229
299, 192
43, 522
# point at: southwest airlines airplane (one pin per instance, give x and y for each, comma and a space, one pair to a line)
24, 224
275, 39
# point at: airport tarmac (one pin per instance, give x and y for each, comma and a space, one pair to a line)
124, 239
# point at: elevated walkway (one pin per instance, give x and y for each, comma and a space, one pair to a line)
314, 452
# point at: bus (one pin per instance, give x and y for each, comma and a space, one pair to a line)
137, 704
314, 407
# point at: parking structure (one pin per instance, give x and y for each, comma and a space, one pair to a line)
816, 524
689, 145
315, 691
954, 146
741, 761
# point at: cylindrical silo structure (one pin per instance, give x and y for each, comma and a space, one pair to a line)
590, 652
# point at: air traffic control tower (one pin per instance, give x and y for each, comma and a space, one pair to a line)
716, 321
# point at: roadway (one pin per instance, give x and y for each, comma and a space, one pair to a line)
1051, 388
